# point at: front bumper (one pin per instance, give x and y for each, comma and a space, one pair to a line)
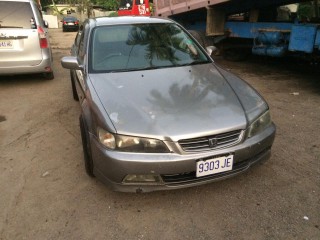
176, 171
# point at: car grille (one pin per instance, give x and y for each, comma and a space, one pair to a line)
190, 177
210, 142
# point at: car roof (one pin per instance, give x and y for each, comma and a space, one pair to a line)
101, 21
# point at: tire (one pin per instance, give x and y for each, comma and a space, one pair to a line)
73, 86
88, 163
48, 75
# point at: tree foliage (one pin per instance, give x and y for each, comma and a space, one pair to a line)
108, 4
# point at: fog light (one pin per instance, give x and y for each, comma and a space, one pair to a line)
142, 178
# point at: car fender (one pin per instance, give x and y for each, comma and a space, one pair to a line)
94, 115
87, 116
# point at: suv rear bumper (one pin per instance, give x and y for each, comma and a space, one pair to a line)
44, 66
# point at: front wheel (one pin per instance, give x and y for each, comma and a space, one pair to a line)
88, 163
73, 86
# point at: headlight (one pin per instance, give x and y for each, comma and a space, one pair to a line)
258, 125
131, 144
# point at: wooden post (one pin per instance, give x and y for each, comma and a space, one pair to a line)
215, 22
316, 6
254, 15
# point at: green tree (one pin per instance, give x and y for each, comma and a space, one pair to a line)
55, 10
108, 4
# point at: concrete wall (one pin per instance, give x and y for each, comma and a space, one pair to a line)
52, 20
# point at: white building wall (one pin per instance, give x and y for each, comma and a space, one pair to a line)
52, 21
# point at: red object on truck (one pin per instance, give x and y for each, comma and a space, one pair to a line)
134, 8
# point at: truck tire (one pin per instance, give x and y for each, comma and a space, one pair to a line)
48, 75
198, 36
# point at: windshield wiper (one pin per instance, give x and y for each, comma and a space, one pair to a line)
136, 69
151, 67
193, 63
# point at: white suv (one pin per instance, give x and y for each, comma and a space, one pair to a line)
24, 39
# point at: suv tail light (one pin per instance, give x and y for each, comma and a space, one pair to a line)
76, 22
42, 38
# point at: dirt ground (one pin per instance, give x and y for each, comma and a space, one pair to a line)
45, 193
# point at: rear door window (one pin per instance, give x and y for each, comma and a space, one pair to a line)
16, 15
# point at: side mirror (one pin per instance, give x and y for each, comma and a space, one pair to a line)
71, 62
211, 49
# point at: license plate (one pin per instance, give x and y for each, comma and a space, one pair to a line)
71, 23
214, 165
6, 44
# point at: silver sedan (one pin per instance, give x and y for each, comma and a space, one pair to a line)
157, 112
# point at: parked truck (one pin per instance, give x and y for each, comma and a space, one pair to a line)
237, 27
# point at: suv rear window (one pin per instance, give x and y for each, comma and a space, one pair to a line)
16, 15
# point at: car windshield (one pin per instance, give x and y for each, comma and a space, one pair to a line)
142, 46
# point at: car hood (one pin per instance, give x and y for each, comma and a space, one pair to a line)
170, 103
